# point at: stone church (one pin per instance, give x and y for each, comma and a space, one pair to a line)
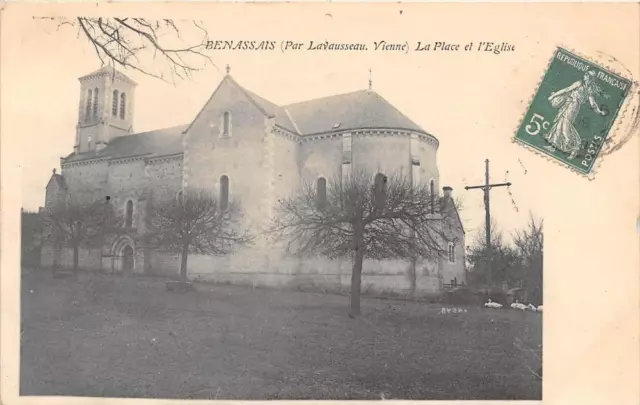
240, 145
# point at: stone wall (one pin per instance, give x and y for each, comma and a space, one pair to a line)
134, 180
88, 259
87, 181
164, 264
243, 157
253, 268
455, 270
286, 170
320, 158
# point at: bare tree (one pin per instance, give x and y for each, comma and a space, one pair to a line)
194, 222
178, 46
529, 243
518, 263
503, 261
75, 223
365, 217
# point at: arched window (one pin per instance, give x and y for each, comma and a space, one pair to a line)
452, 253
432, 194
114, 104
95, 103
87, 111
224, 192
129, 214
321, 192
123, 105
380, 190
226, 124
89, 140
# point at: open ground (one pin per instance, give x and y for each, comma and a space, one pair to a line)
109, 336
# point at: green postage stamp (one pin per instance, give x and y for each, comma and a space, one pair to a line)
573, 111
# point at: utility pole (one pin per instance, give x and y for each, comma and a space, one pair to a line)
485, 188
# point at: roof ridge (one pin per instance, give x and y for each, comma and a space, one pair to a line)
59, 179
250, 95
175, 127
206, 103
264, 104
292, 120
242, 89
329, 96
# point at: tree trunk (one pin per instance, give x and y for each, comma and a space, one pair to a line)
413, 276
183, 262
75, 259
356, 272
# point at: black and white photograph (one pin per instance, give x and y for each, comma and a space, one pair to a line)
257, 202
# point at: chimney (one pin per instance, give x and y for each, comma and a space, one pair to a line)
446, 190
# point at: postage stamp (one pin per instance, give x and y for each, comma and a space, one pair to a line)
573, 111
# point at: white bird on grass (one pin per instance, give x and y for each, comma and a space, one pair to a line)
518, 305
491, 304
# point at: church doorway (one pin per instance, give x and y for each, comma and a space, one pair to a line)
127, 259
123, 255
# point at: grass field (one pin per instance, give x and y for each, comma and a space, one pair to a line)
108, 336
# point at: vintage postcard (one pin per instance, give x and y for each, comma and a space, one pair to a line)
232, 202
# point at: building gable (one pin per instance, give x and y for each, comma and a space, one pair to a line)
56, 182
446, 204
230, 141
227, 94
55, 190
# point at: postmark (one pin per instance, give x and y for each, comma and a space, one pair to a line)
574, 110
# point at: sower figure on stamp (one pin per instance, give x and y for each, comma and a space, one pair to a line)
563, 135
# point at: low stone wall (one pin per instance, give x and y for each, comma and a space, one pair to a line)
259, 269
274, 270
88, 259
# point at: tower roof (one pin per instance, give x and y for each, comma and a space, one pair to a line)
107, 71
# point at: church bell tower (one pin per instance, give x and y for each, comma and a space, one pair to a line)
106, 109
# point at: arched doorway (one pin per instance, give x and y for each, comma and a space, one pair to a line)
127, 259
123, 255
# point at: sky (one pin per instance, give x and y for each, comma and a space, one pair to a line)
471, 102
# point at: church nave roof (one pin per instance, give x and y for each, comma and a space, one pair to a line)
160, 142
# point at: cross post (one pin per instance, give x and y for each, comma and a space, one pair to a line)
486, 189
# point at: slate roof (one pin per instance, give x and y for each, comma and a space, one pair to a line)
363, 109
444, 204
161, 142
108, 70
279, 113
358, 110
